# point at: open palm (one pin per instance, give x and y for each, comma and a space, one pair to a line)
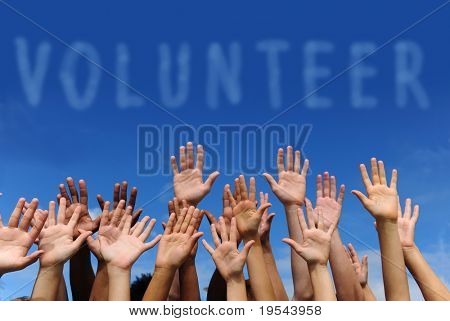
291, 186
326, 200
315, 247
381, 200
188, 184
407, 224
229, 261
16, 239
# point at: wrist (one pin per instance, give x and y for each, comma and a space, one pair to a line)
409, 249
292, 207
51, 270
190, 262
115, 271
317, 266
235, 279
251, 236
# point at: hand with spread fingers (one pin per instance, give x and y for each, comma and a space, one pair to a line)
120, 193
179, 238
176, 245
407, 223
188, 183
326, 200
248, 217
381, 200
58, 241
315, 249
291, 186
85, 222
432, 288
17, 238
229, 261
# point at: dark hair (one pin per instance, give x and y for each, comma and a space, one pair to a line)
139, 286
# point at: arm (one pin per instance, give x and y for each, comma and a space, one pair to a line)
189, 289
229, 261
345, 281
430, 285
217, 288
382, 203
62, 290
290, 190
189, 187
58, 245
271, 266
176, 244
315, 249
100, 289
81, 274
248, 219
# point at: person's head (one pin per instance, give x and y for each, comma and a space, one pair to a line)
139, 286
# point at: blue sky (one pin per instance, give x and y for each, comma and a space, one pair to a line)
64, 116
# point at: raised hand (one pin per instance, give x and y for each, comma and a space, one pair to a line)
248, 218
407, 224
178, 240
326, 199
85, 222
315, 248
291, 186
16, 238
381, 200
188, 183
361, 267
120, 193
266, 220
120, 244
229, 261
58, 241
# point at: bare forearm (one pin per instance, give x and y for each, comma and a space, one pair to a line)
158, 289
430, 285
393, 264
47, 283
81, 275
321, 283
303, 290
174, 293
236, 290
368, 294
189, 289
259, 278
100, 289
62, 290
119, 284
346, 282
277, 284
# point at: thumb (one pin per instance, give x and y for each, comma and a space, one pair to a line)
270, 217
81, 238
210, 217
247, 247
295, 246
30, 259
211, 179
362, 198
270, 180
